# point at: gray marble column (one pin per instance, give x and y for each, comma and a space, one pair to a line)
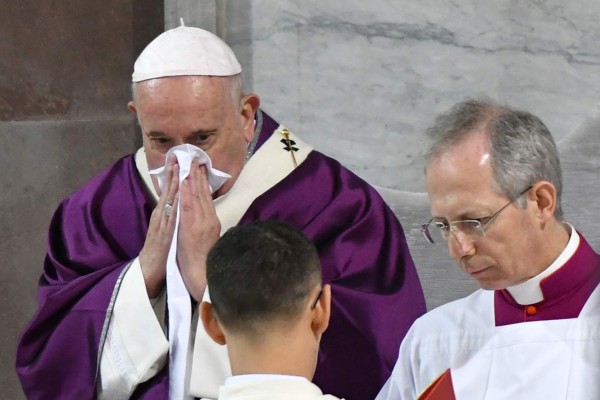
200, 13
230, 20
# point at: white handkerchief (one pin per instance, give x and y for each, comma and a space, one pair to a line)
178, 298
185, 154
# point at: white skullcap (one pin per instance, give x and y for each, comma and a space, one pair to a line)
185, 51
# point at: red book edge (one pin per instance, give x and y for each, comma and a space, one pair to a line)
440, 389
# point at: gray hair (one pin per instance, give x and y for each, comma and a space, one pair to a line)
235, 90
234, 86
522, 149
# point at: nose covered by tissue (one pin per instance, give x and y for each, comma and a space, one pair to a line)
185, 154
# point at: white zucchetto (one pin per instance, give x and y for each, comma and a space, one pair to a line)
185, 51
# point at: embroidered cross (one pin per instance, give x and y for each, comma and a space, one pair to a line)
289, 145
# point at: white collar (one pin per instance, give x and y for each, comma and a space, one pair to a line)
530, 292
261, 377
142, 166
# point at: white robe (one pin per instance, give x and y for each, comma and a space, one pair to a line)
271, 387
539, 360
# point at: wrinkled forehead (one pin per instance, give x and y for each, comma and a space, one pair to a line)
460, 179
184, 96
182, 85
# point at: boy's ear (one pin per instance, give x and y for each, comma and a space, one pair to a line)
211, 325
322, 312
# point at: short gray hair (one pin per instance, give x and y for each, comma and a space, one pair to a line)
522, 149
236, 92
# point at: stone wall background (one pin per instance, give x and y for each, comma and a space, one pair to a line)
65, 71
362, 81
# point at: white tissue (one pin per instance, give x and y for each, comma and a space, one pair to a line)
185, 154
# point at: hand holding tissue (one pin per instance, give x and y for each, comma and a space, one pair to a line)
200, 228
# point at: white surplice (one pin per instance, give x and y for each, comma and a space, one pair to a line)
537, 360
271, 387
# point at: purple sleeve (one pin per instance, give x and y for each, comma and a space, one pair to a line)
364, 255
93, 235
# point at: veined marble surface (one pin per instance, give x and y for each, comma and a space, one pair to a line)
363, 80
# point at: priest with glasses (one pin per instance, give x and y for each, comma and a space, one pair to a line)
533, 329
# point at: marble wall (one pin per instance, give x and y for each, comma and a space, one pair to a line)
362, 80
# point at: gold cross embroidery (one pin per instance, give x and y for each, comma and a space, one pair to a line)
289, 145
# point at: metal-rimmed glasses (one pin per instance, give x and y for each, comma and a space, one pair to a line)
471, 229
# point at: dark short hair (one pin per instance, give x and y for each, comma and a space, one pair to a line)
522, 149
259, 272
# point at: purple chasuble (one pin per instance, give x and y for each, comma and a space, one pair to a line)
93, 235
99, 229
565, 291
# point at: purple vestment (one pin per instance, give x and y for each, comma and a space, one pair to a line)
98, 230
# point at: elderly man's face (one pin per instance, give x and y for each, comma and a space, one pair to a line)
459, 184
195, 110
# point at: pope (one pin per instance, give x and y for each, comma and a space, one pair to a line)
125, 265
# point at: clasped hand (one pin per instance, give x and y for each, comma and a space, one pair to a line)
199, 229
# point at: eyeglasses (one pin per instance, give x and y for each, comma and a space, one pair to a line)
471, 229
